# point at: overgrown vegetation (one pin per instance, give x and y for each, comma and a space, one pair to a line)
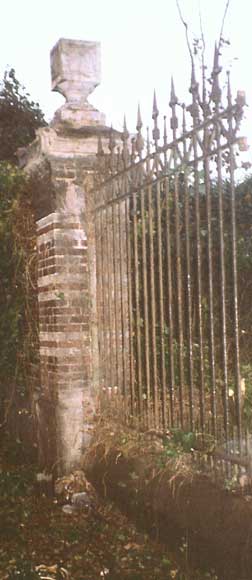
19, 118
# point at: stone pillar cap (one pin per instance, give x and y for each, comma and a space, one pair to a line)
75, 73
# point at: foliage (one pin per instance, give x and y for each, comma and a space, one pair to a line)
18, 318
19, 117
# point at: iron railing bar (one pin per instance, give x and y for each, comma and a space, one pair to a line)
207, 185
189, 304
105, 301
179, 300
153, 307
122, 293
161, 307
116, 293
137, 304
145, 305
223, 287
100, 296
110, 307
130, 306
199, 285
235, 278
170, 304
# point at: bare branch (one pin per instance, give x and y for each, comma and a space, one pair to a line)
203, 55
223, 22
186, 30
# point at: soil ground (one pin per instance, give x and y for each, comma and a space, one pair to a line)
95, 543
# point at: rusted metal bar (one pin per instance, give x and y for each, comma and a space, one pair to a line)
210, 286
234, 269
130, 305
137, 317
115, 235
222, 275
99, 295
145, 305
161, 306
188, 286
196, 171
110, 309
153, 307
174, 125
169, 328
122, 265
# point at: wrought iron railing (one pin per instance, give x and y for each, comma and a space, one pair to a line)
167, 275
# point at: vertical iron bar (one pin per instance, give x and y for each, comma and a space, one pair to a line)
234, 268
145, 299
130, 306
210, 281
194, 91
137, 304
122, 293
153, 307
105, 300
116, 293
179, 299
174, 126
161, 306
223, 283
170, 303
100, 296
188, 283
169, 282
109, 293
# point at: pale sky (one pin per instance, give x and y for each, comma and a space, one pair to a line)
142, 42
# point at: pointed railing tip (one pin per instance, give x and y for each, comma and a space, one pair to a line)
216, 65
125, 129
139, 119
194, 84
148, 140
165, 130
155, 111
173, 98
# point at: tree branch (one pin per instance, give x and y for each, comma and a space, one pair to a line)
223, 22
186, 30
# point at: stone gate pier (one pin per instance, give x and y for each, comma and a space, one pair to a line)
61, 163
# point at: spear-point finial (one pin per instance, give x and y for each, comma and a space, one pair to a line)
173, 98
112, 142
139, 138
125, 130
194, 85
184, 118
111, 146
216, 90
216, 66
173, 103
125, 136
155, 113
165, 131
139, 119
148, 140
